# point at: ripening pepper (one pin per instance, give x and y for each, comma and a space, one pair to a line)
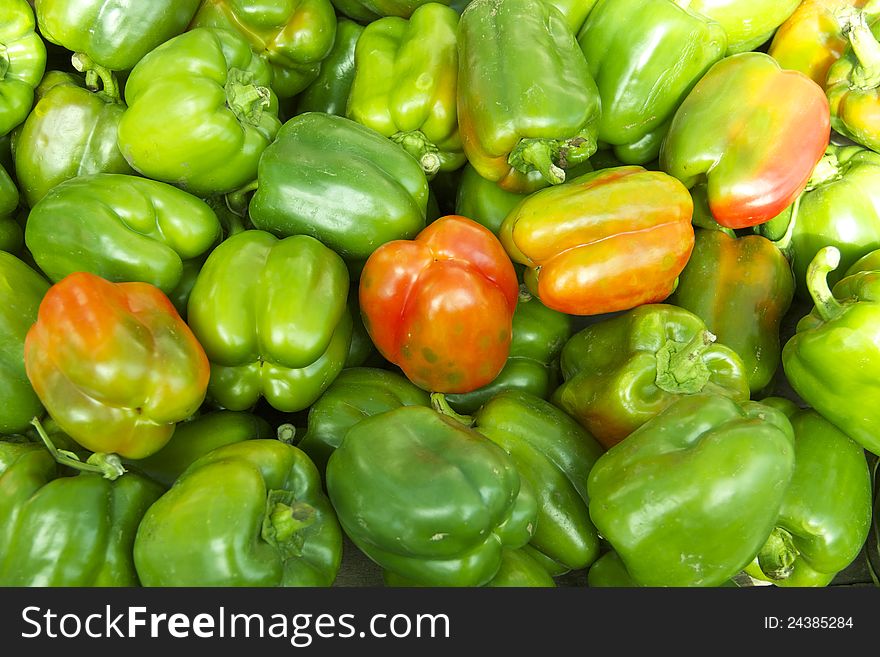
114, 364
21, 291
11, 234
523, 120
428, 498
517, 569
833, 359
753, 132
690, 497
840, 207
63, 529
22, 62
635, 54
71, 132
748, 23
200, 112
329, 91
273, 319
576, 240
621, 372
294, 36
826, 513
116, 34
340, 182
122, 228
741, 288
407, 92
440, 306
250, 513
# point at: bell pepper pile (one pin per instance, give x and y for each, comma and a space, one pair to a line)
487, 293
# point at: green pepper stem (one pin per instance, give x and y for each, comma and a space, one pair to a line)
237, 203
538, 154
108, 466
94, 72
524, 295
286, 433
439, 404
246, 99
4, 60
680, 366
826, 170
284, 521
777, 558
827, 260
421, 148
867, 50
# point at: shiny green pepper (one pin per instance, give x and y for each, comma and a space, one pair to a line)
329, 92
22, 62
518, 569
11, 235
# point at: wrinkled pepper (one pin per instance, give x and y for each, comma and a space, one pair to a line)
282, 331
114, 364
690, 497
428, 498
250, 513
329, 91
408, 93
753, 133
523, 121
11, 234
621, 372
22, 62
576, 239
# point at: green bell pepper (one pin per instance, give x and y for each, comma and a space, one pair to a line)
263, 335
250, 513
690, 497
60, 530
329, 91
22, 291
748, 23
621, 372
833, 359
483, 200
114, 33
575, 11
636, 54
523, 120
11, 235
408, 93
840, 207
367, 11
122, 228
340, 182
293, 35
361, 352
196, 437
356, 394
608, 571
539, 333
741, 288
826, 513
517, 569
427, 498
200, 112
22, 62
71, 132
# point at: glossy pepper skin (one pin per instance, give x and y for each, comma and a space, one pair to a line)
751, 176
518, 569
63, 530
811, 40
114, 364
293, 35
250, 513
423, 299
200, 112
356, 394
408, 93
523, 122
22, 63
833, 359
427, 498
621, 372
539, 333
609, 571
691, 497
11, 234
114, 33
122, 228
840, 207
741, 288
575, 240
826, 513
748, 23
329, 91
340, 182
71, 132
282, 331
21, 290
645, 57
366, 11
196, 437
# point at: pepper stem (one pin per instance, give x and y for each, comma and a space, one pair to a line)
421, 148
95, 72
778, 556
826, 170
108, 466
538, 154
524, 295
237, 201
246, 99
439, 404
680, 366
286, 433
867, 50
4, 60
284, 520
827, 260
